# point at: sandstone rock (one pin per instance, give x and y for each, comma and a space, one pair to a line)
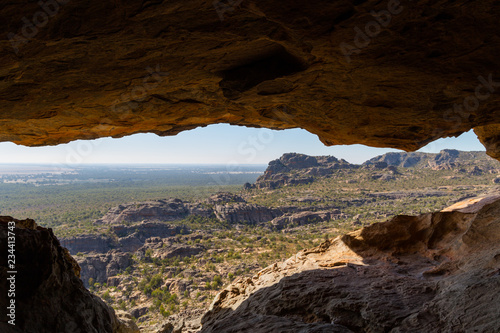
131, 243
405, 160
274, 87
248, 186
87, 243
100, 267
153, 211
224, 197
446, 159
475, 171
170, 250
96, 69
113, 281
302, 218
145, 230
128, 238
290, 161
166, 328
139, 311
387, 177
187, 321
435, 272
295, 169
50, 296
380, 165
127, 323
245, 213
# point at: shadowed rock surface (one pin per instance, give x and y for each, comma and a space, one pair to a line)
50, 297
100, 266
87, 69
436, 272
87, 243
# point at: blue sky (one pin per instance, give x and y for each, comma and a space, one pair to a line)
214, 144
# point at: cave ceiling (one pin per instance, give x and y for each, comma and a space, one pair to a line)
381, 73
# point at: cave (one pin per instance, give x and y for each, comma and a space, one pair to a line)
396, 74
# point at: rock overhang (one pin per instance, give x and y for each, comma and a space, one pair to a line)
386, 74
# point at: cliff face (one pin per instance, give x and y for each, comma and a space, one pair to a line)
382, 73
436, 272
304, 168
87, 243
49, 295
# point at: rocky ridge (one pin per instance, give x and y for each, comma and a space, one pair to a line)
225, 207
445, 159
293, 169
102, 257
135, 228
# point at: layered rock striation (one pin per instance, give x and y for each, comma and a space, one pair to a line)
437, 272
382, 73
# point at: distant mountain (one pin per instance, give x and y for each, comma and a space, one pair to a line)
296, 169
445, 159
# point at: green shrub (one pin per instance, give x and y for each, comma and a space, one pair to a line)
106, 296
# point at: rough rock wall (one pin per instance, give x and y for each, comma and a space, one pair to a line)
382, 73
49, 295
87, 243
436, 272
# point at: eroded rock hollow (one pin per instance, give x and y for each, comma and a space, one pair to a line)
382, 73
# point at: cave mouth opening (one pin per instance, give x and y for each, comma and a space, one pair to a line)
342, 196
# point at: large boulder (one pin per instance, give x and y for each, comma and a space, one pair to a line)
49, 295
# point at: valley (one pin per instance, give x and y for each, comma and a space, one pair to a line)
163, 260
